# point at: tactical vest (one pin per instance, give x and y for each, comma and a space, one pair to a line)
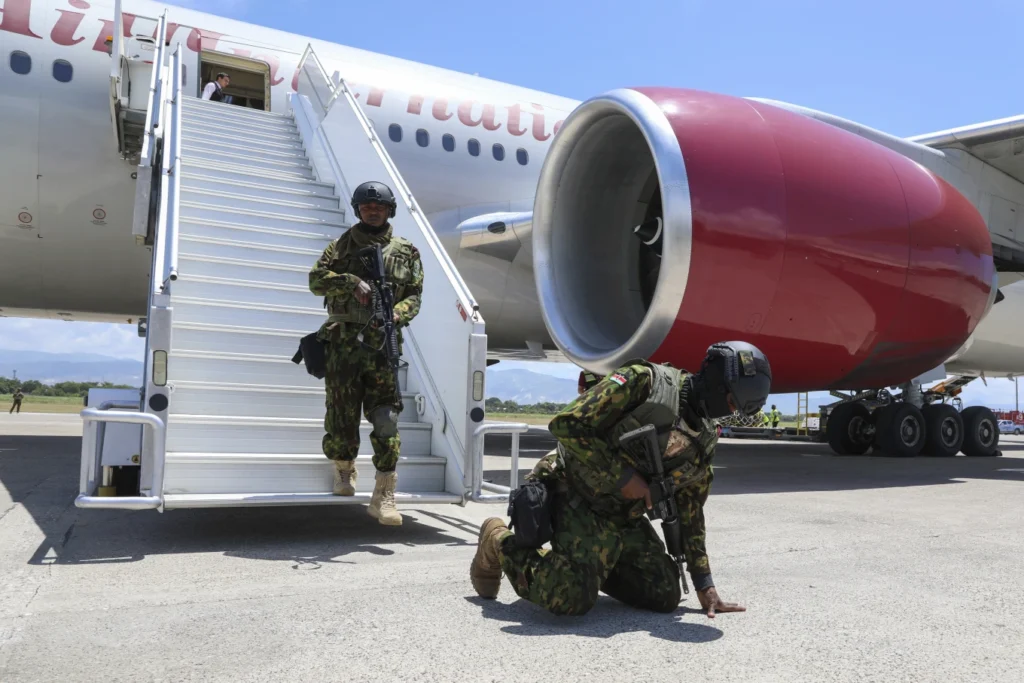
694, 448
397, 265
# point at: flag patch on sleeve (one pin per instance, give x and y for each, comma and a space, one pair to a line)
618, 379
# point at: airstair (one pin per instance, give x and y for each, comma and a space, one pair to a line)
237, 205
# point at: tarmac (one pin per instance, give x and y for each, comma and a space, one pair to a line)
851, 569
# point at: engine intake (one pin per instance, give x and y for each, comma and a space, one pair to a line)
848, 264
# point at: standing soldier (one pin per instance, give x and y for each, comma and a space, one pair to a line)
17, 401
358, 377
599, 489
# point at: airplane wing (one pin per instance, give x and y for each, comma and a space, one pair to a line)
998, 143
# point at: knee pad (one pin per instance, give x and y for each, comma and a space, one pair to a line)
385, 421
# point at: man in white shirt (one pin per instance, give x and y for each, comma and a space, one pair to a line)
214, 90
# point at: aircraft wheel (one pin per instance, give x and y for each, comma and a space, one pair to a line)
981, 432
901, 430
944, 430
848, 429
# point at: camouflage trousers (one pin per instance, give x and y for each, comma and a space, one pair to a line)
623, 558
358, 380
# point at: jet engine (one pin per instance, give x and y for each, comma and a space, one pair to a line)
668, 219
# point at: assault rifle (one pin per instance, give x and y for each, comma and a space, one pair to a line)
663, 494
383, 306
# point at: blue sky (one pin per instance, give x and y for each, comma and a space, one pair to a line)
906, 67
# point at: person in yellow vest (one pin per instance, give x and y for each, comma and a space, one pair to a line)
775, 416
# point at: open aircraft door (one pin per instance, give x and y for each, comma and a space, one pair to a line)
250, 78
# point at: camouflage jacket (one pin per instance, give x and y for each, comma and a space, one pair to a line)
339, 270
595, 467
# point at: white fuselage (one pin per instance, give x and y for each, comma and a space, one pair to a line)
66, 202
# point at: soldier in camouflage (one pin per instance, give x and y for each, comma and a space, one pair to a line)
358, 378
602, 541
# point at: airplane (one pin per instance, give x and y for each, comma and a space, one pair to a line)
886, 262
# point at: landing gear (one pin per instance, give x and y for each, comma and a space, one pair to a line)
981, 432
916, 422
850, 429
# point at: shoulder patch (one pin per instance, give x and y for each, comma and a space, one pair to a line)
618, 379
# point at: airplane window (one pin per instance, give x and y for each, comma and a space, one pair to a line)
498, 151
21, 63
422, 138
474, 147
395, 132
63, 71
522, 156
448, 142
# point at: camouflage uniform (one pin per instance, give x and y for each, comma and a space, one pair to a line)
358, 378
18, 396
602, 540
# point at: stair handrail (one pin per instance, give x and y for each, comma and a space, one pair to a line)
154, 108
342, 90
152, 497
171, 168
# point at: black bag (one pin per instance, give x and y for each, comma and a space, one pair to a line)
529, 509
314, 353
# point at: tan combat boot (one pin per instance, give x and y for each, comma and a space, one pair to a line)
344, 477
485, 571
382, 502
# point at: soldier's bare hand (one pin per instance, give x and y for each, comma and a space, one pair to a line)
396, 318
362, 293
637, 488
711, 603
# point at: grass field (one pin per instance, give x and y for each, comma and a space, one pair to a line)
520, 417
44, 404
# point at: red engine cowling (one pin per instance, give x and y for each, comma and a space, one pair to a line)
848, 264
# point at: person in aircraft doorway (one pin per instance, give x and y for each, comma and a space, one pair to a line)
358, 377
214, 90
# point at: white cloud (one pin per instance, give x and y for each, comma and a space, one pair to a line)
59, 336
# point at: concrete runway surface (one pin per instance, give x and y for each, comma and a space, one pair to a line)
852, 569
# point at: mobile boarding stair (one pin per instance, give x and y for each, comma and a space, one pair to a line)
241, 204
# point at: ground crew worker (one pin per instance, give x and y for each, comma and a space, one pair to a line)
358, 377
775, 416
601, 539
765, 422
17, 401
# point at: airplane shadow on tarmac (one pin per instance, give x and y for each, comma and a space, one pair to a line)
608, 618
41, 475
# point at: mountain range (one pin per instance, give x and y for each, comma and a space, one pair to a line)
51, 368
526, 387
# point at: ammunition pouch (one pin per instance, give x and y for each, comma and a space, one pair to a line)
530, 509
313, 352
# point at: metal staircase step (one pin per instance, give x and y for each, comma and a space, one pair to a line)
243, 269
262, 400
402, 498
243, 291
315, 238
227, 119
205, 433
252, 201
218, 150
215, 246
190, 310
199, 129
243, 159
218, 338
199, 104
194, 136
199, 473
203, 172
314, 194
226, 170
